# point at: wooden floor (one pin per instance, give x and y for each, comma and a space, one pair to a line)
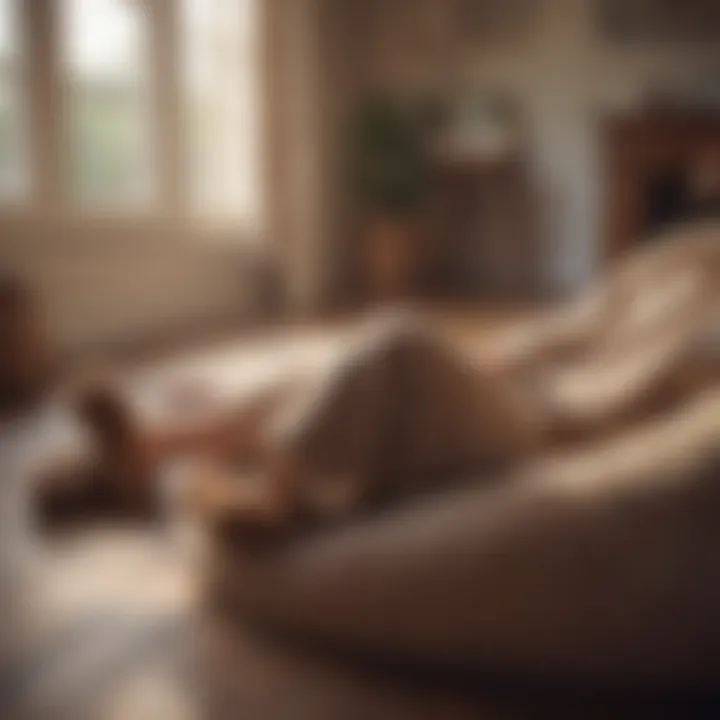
108, 623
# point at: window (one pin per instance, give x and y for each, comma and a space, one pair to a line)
107, 103
146, 105
219, 51
13, 161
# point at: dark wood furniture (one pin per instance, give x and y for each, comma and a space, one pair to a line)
652, 160
483, 239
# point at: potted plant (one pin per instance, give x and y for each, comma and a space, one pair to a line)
390, 174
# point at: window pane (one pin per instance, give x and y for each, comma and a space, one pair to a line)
13, 161
220, 43
108, 108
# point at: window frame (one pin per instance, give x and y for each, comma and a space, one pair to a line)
47, 197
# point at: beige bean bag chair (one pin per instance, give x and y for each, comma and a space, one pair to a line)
666, 281
599, 564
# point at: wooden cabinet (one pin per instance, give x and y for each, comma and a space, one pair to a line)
653, 160
483, 239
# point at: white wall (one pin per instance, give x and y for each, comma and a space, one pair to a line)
105, 282
565, 76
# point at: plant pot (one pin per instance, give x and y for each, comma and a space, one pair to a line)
390, 257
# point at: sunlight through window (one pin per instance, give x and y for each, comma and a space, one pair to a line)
221, 105
108, 113
13, 160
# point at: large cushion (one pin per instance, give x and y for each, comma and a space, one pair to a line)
675, 275
603, 564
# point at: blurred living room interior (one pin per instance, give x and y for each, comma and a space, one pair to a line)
201, 201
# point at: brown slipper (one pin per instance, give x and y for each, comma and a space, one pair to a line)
117, 481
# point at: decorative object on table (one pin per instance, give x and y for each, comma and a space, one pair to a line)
482, 125
390, 176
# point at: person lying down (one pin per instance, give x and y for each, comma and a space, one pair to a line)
403, 411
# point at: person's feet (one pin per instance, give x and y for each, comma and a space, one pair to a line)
236, 504
124, 465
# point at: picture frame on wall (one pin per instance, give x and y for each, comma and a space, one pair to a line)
659, 21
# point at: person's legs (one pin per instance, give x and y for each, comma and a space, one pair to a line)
121, 471
402, 409
335, 434
128, 453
